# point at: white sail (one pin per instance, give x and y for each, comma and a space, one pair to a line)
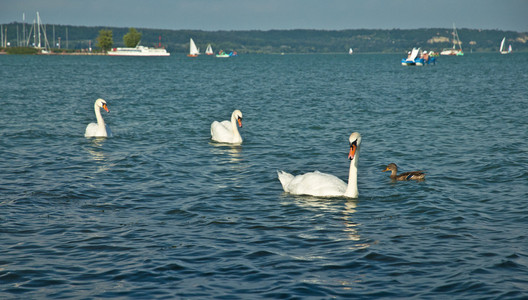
209, 50
502, 50
192, 48
350, 51
414, 54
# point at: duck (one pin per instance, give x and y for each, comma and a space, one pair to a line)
227, 131
414, 175
99, 129
325, 185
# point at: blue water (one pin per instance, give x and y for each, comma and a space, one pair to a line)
159, 211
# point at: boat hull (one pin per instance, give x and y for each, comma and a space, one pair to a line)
417, 62
452, 52
138, 51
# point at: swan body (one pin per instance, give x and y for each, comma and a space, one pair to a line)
227, 131
99, 129
414, 175
325, 185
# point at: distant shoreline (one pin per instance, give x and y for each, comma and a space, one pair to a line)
288, 41
74, 53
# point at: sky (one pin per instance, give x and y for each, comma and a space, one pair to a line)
212, 15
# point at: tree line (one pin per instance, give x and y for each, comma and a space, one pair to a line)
282, 41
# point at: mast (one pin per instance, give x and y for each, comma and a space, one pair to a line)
457, 38
24, 26
38, 24
34, 32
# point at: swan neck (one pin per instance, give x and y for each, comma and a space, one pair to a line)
100, 121
234, 127
352, 189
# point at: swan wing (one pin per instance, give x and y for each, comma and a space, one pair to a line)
93, 130
285, 179
221, 131
314, 184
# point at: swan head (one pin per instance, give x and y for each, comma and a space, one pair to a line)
237, 115
101, 103
391, 167
354, 140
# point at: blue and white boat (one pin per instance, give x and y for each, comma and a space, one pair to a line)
418, 58
413, 59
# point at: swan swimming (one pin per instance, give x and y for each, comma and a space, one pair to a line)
325, 185
227, 131
99, 129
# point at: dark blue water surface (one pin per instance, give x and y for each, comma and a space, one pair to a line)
159, 211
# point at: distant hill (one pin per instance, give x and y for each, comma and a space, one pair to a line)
287, 41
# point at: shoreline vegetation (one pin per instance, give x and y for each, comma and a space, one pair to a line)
76, 40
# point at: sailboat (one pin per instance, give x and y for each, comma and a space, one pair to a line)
209, 50
38, 45
350, 51
501, 50
413, 59
456, 41
193, 51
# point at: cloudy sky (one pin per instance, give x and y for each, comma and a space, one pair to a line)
213, 15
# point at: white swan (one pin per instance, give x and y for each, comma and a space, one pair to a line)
100, 129
226, 131
325, 185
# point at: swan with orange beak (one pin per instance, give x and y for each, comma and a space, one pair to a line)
99, 129
227, 131
325, 185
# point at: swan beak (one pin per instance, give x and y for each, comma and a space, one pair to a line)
352, 152
105, 107
239, 122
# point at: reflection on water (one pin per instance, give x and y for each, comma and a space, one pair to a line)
350, 208
350, 226
233, 151
228, 159
98, 154
314, 203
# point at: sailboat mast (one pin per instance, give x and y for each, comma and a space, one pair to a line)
38, 24
459, 42
24, 26
34, 32
454, 36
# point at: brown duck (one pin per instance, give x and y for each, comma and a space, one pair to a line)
415, 175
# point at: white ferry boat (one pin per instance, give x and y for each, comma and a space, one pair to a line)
138, 51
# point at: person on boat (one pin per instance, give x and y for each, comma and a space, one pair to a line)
425, 56
409, 55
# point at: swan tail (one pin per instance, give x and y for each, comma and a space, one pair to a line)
284, 178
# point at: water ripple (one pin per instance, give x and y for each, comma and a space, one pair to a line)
160, 211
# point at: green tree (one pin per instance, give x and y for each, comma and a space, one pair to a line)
132, 38
105, 40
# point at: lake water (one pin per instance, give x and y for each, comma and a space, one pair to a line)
160, 211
